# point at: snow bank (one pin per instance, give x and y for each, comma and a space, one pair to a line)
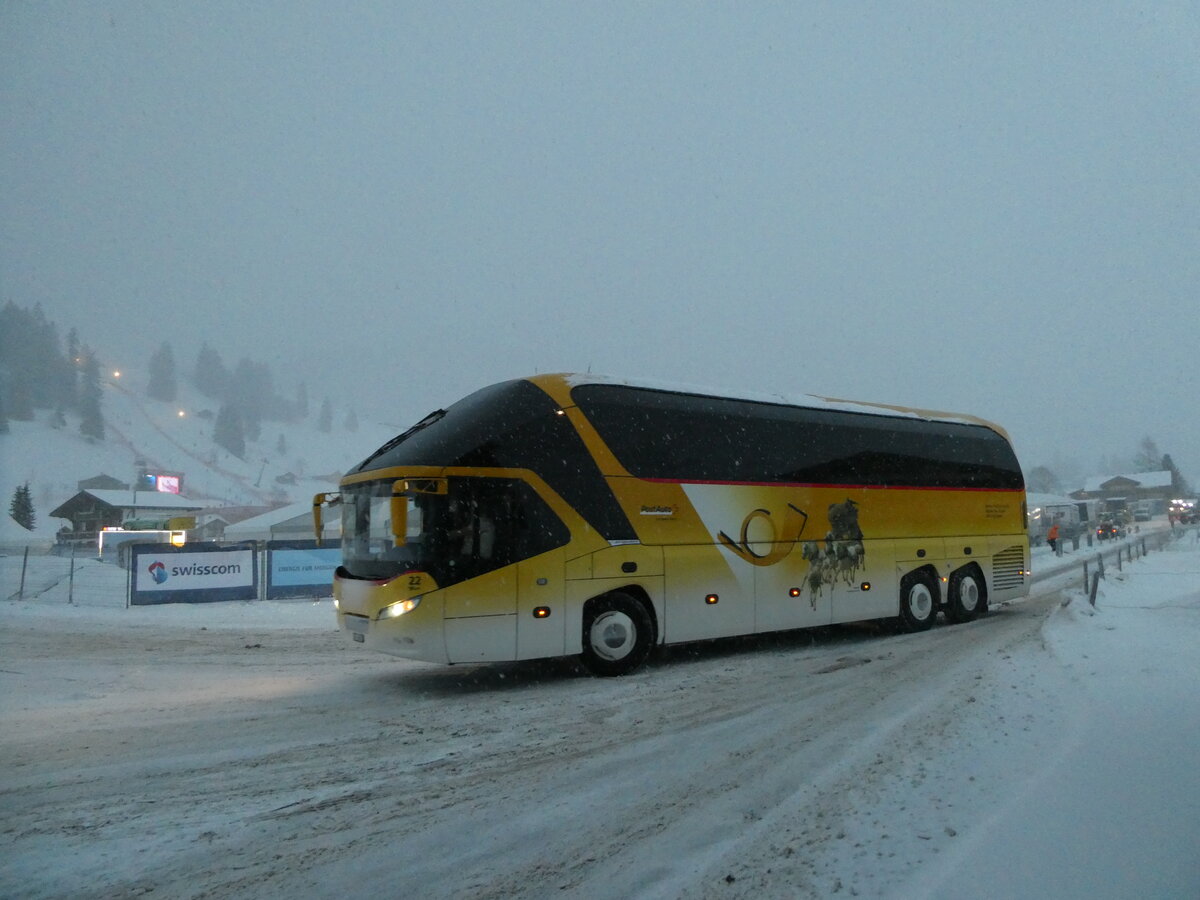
1119, 798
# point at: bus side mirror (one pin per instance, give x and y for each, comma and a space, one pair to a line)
320, 500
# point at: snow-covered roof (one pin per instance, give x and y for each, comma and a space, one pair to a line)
1044, 500
1142, 479
267, 520
144, 499
230, 514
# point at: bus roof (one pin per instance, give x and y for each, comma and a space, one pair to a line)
807, 401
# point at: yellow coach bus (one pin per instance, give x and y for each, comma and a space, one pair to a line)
567, 514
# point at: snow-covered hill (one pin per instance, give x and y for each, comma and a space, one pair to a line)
178, 437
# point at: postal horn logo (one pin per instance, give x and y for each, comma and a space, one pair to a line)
158, 572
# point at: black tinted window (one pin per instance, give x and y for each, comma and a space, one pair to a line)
690, 437
513, 425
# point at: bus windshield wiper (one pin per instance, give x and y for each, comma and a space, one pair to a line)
404, 436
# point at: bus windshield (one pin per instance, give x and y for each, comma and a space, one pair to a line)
479, 524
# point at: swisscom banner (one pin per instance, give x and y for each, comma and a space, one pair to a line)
200, 573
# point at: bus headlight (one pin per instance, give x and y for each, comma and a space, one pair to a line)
399, 609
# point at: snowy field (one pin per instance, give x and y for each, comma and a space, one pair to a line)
247, 750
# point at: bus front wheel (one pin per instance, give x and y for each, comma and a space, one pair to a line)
617, 631
918, 601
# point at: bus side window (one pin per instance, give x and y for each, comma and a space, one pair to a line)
535, 526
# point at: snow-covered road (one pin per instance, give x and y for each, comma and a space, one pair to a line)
154, 751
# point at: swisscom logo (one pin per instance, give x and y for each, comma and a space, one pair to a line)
159, 572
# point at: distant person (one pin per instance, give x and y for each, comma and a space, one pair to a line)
1052, 537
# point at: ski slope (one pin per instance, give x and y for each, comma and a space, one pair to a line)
53, 460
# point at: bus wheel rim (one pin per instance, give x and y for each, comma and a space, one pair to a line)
920, 602
968, 593
612, 635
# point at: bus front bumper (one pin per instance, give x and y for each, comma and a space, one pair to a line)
417, 634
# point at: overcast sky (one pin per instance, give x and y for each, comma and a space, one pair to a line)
989, 208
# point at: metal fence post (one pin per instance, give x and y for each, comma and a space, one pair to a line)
71, 580
264, 557
24, 563
1095, 587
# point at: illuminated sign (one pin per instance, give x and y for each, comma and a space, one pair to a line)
168, 484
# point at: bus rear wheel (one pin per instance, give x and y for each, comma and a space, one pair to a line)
918, 601
967, 595
617, 634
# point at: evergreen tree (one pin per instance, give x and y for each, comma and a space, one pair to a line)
1179, 484
162, 384
1148, 457
251, 422
325, 417
20, 401
60, 370
254, 392
228, 430
281, 446
210, 375
38, 376
3, 415
21, 507
91, 423
351, 422
75, 362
